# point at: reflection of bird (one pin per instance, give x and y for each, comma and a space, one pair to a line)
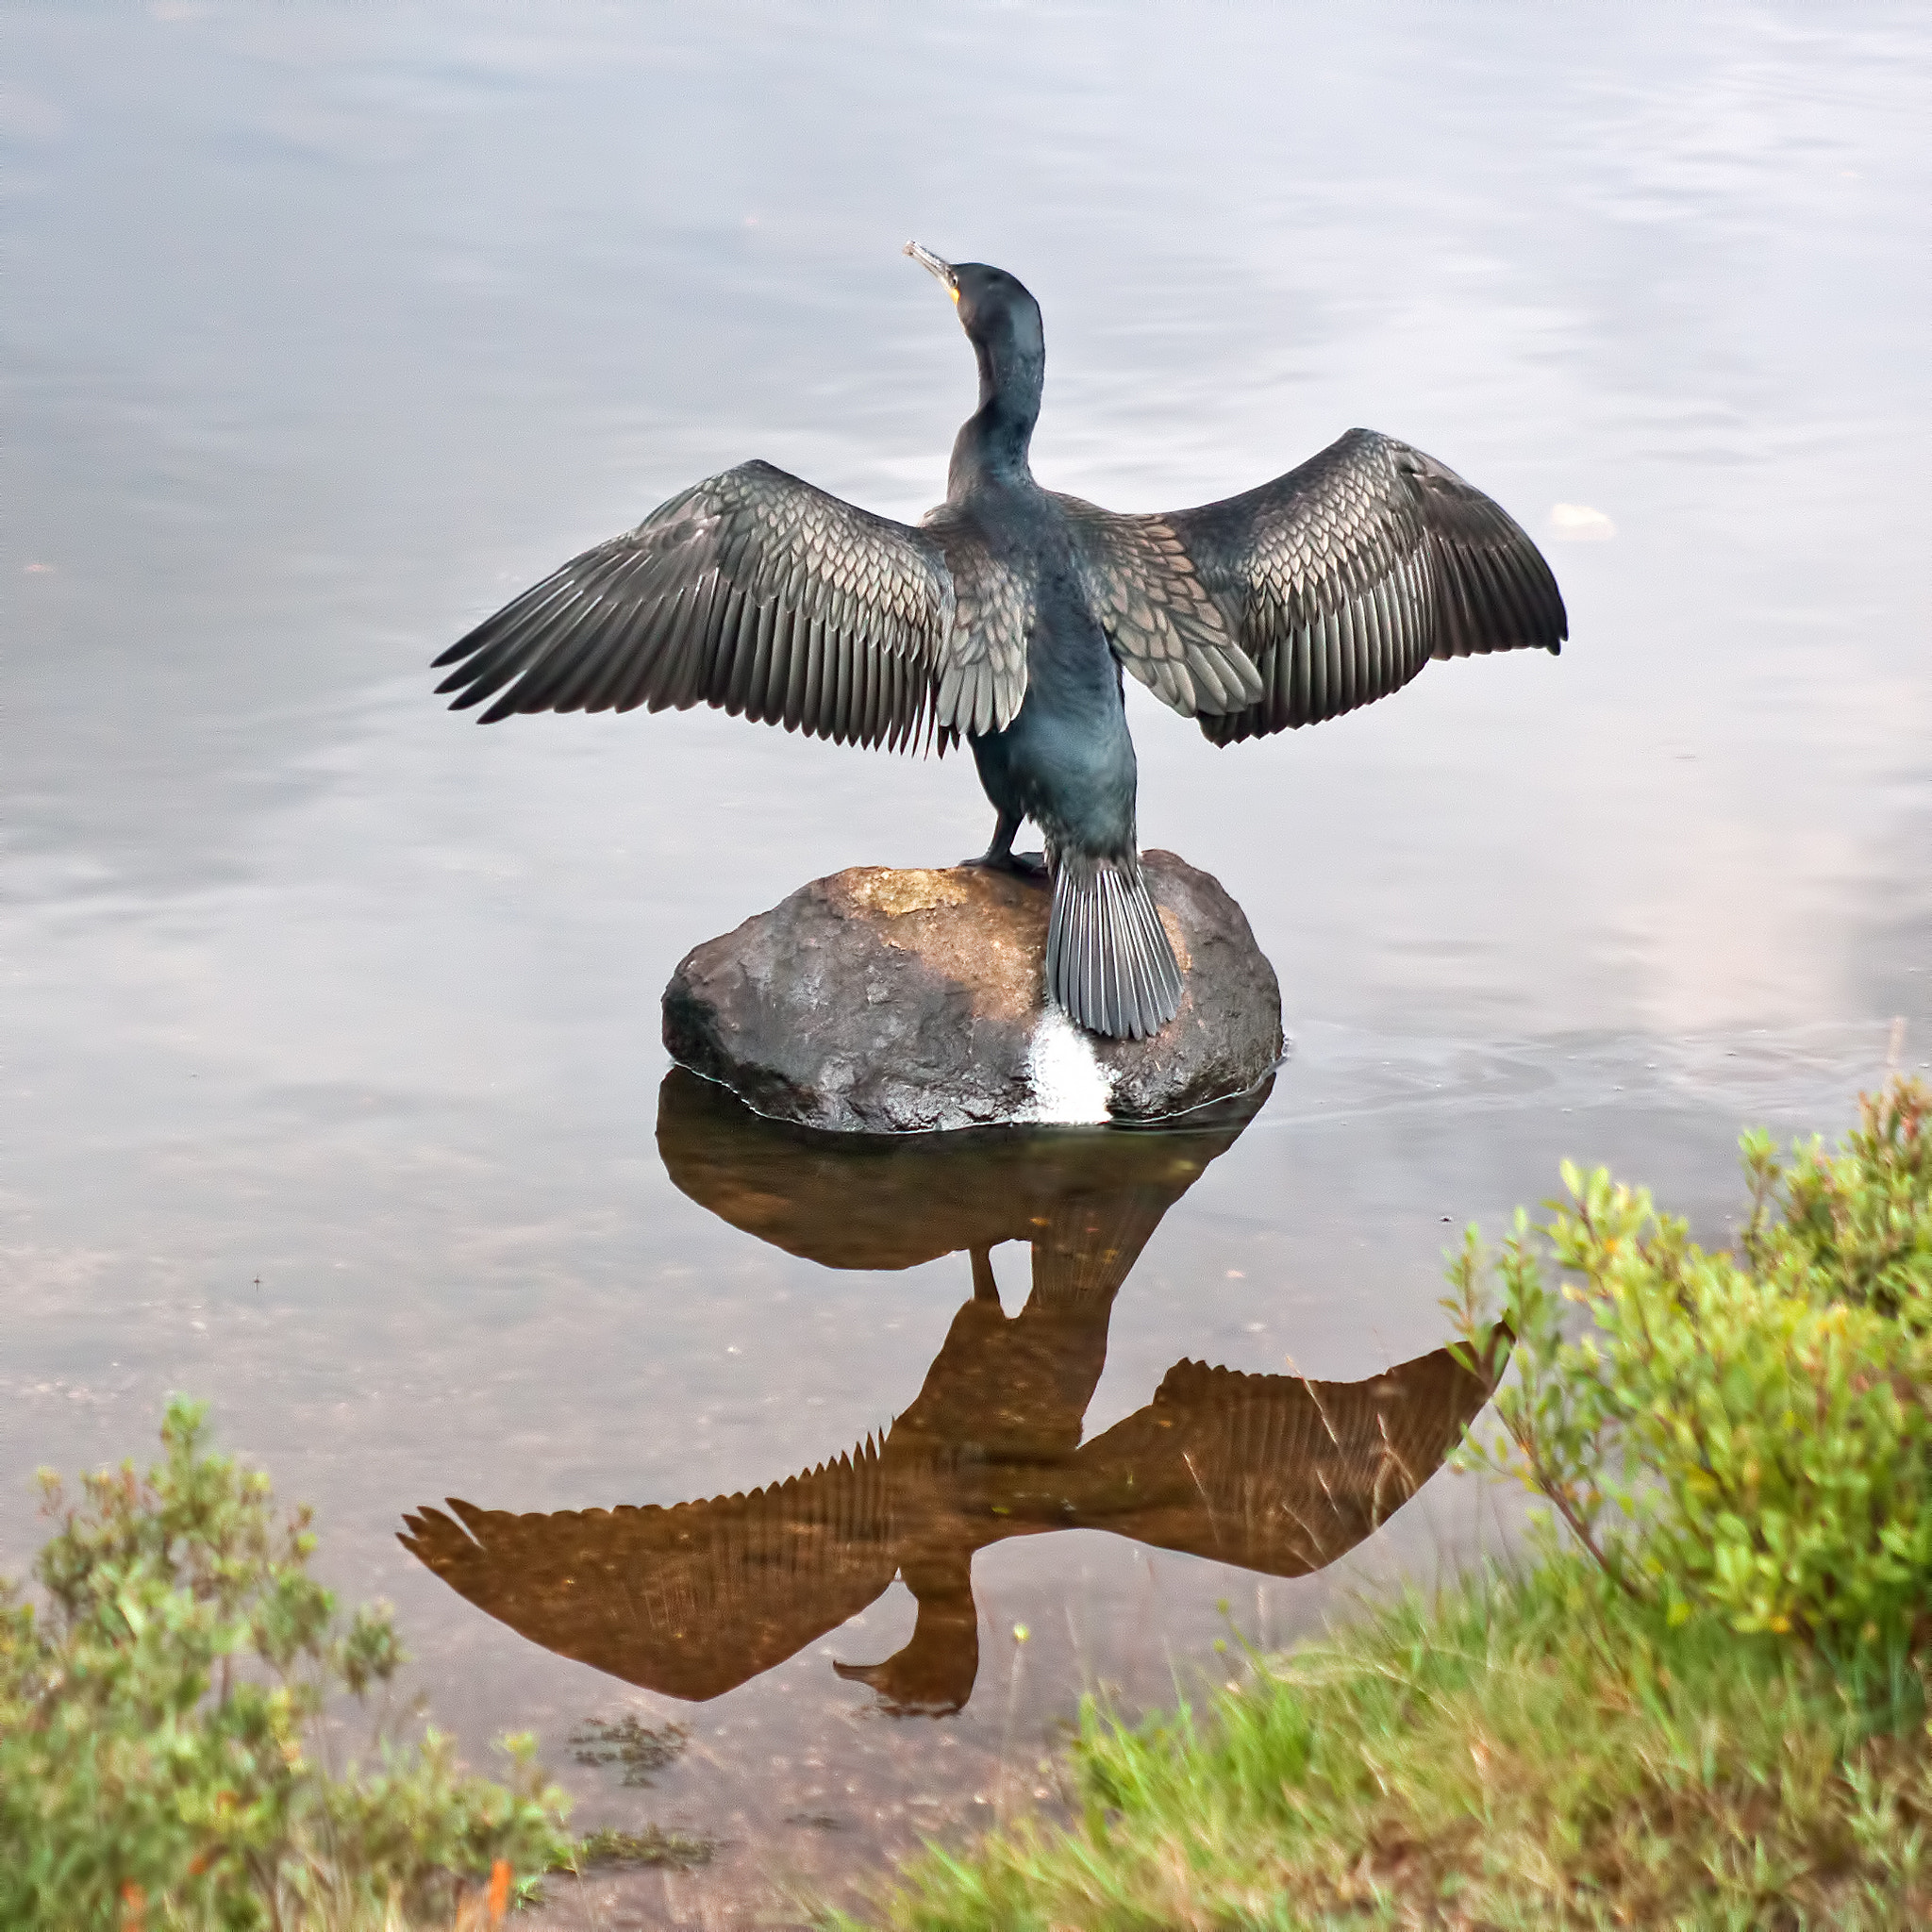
1008, 616
1271, 1472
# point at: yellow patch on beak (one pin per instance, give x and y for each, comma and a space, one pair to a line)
955, 294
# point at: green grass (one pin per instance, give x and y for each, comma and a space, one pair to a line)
1703, 1701
1522, 1752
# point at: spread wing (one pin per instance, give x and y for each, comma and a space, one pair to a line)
752, 592
1159, 616
690, 1601
1342, 578
1274, 1473
984, 677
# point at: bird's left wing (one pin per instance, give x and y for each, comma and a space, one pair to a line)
753, 591
690, 1601
1159, 616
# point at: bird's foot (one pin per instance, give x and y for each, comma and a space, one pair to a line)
1025, 865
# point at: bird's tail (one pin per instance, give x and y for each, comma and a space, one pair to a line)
1107, 958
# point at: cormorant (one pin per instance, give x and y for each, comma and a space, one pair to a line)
1007, 616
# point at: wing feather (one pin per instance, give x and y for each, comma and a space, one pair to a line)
767, 682
689, 1601
983, 681
752, 592
1275, 1473
1164, 624
1342, 578
740, 634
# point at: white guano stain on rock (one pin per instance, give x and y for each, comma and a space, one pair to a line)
1070, 1086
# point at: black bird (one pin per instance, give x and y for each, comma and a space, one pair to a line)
1007, 616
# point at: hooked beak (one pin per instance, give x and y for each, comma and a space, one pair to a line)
944, 270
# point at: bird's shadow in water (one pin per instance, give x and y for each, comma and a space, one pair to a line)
1273, 1474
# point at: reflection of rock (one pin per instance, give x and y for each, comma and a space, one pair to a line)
1271, 1472
852, 1202
901, 1002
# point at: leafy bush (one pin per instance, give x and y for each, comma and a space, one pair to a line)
1704, 1708
1748, 1434
162, 1745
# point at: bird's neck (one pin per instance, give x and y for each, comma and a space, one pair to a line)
992, 442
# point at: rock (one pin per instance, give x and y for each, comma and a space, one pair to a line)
887, 1002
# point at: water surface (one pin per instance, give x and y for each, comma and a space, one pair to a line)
332, 1060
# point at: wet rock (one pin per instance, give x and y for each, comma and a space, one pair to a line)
888, 1002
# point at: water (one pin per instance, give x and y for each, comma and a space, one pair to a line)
332, 1060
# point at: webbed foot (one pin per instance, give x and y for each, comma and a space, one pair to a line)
1025, 865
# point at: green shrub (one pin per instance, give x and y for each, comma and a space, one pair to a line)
1704, 1708
1749, 1434
163, 1751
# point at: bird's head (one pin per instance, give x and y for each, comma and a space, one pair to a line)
1000, 317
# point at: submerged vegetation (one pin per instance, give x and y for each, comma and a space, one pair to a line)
1700, 1701
630, 1746
654, 1845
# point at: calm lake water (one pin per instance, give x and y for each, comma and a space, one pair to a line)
334, 1089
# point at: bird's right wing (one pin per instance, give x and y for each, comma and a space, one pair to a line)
1343, 577
1275, 1473
753, 591
1159, 616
